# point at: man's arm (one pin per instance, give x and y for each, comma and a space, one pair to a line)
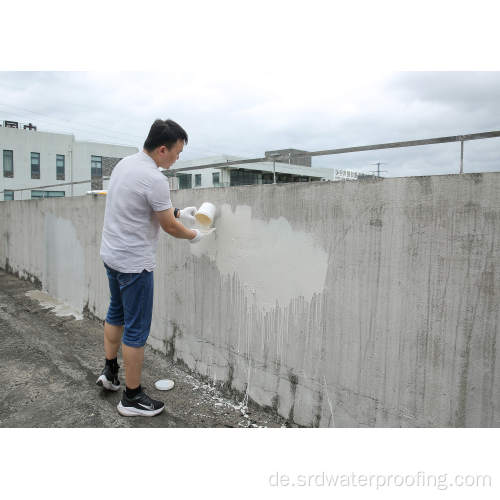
172, 226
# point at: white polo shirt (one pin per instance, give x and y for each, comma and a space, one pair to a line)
136, 189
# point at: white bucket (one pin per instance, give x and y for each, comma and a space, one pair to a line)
206, 213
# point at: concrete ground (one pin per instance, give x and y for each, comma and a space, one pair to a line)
49, 365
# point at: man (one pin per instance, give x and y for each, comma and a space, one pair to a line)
137, 205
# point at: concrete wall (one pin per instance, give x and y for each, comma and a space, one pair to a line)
370, 303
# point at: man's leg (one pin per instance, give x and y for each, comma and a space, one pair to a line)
109, 376
137, 297
112, 339
113, 330
133, 358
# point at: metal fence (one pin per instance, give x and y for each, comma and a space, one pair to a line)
355, 149
389, 145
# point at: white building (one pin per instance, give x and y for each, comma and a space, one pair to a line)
191, 174
42, 164
201, 177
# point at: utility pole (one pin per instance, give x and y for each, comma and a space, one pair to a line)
461, 157
274, 156
378, 168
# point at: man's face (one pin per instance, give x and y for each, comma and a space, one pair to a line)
167, 157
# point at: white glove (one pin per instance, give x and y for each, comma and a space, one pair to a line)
201, 234
188, 214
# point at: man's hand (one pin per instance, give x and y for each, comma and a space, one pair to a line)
187, 214
201, 234
172, 226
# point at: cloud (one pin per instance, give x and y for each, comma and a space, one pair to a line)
246, 114
459, 91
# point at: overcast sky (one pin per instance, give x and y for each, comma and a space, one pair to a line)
310, 83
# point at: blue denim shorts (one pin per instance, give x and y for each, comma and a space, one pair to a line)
131, 304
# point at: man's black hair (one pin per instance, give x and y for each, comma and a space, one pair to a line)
164, 133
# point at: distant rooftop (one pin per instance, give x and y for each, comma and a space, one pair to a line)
207, 160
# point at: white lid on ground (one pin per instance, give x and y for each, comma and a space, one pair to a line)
164, 385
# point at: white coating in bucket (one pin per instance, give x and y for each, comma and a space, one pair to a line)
205, 214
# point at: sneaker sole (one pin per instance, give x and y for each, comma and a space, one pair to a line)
130, 411
102, 381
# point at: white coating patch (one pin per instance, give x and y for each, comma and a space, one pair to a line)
64, 269
273, 262
48, 302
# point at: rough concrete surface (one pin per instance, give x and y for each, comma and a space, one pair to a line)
372, 303
49, 365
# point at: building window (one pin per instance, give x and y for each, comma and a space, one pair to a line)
60, 174
8, 195
96, 166
108, 164
35, 165
185, 181
46, 194
8, 163
267, 178
197, 180
216, 179
243, 177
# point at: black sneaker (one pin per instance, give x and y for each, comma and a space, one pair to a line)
109, 378
139, 405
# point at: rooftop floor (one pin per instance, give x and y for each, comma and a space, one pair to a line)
49, 365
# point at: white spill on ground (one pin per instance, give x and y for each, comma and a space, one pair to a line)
48, 302
210, 394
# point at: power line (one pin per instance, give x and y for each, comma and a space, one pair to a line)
60, 129
67, 121
126, 137
105, 134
